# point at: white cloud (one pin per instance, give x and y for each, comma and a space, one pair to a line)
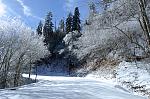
27, 11
2, 8
69, 5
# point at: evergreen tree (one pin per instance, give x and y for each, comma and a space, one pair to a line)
55, 26
76, 20
62, 25
69, 23
39, 28
48, 31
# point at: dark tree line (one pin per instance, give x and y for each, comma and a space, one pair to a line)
53, 37
73, 21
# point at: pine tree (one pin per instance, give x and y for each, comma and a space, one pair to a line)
39, 28
55, 27
69, 23
48, 32
62, 25
76, 20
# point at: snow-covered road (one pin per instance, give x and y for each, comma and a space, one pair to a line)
67, 88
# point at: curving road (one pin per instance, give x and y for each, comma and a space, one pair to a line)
67, 88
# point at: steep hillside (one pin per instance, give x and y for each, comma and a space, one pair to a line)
110, 44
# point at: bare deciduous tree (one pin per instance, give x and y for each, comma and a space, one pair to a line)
19, 48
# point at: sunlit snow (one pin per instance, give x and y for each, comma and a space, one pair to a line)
67, 88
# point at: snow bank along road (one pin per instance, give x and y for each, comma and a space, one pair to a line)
67, 88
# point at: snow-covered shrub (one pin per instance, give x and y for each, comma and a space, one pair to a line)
19, 48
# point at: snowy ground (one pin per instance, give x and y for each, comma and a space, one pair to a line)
133, 76
67, 88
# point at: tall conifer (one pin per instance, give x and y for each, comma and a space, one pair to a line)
76, 20
69, 23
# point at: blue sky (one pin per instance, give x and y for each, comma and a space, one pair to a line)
32, 11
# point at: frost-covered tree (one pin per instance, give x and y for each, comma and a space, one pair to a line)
39, 28
92, 8
121, 21
122, 18
123, 11
92, 13
105, 4
69, 23
19, 49
144, 19
76, 25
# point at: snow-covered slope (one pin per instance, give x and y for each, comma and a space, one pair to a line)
134, 76
67, 88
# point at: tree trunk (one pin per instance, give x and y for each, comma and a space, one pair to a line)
18, 70
30, 68
145, 20
17, 75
